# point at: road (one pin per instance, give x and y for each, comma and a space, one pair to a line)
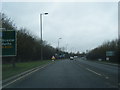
71, 74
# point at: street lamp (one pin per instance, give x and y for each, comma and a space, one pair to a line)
66, 47
58, 47
41, 32
58, 42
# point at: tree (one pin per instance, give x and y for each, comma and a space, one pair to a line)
28, 46
100, 51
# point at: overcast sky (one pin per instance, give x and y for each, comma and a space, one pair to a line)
81, 25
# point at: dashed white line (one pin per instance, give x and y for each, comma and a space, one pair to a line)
93, 71
107, 77
119, 84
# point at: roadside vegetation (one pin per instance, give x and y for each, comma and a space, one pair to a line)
9, 71
99, 53
28, 45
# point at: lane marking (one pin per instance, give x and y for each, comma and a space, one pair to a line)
106, 77
17, 79
93, 71
24, 76
119, 84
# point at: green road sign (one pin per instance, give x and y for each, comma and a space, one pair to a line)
109, 53
8, 42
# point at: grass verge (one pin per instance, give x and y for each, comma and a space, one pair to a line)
106, 62
8, 71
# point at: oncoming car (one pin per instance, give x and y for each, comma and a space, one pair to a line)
71, 58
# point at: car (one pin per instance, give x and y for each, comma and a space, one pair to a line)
71, 58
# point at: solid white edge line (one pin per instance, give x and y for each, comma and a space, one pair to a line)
93, 71
23, 76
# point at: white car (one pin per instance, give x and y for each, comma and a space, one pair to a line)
71, 58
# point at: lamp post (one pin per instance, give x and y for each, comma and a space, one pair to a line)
41, 32
58, 42
66, 47
58, 48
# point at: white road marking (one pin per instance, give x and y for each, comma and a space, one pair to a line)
93, 71
107, 77
23, 76
119, 84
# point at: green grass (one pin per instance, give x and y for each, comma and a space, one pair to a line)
110, 62
8, 71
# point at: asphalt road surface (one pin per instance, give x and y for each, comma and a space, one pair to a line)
71, 74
